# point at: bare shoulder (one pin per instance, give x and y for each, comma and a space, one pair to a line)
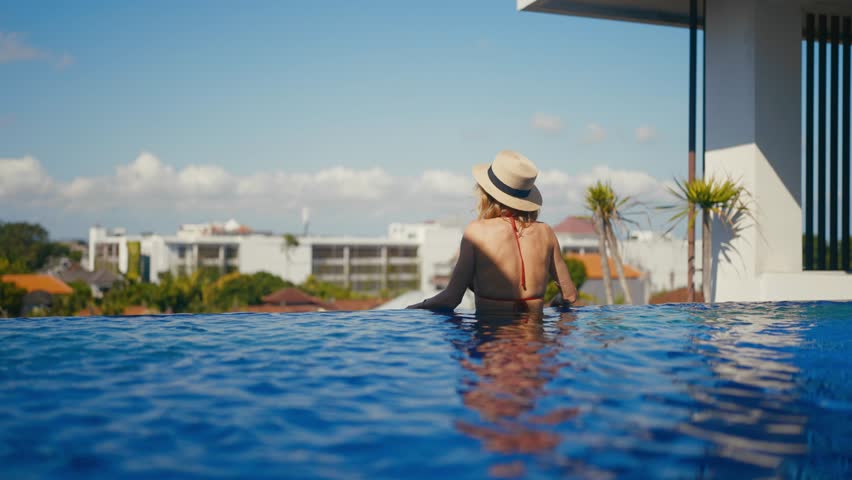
548, 233
545, 229
475, 229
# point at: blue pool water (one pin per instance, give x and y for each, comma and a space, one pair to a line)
729, 391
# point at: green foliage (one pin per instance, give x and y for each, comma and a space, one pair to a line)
724, 199
237, 290
26, 247
603, 202
576, 269
67, 305
134, 260
5, 266
816, 239
290, 240
203, 291
11, 299
327, 291
129, 293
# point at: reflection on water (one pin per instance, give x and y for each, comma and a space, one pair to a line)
511, 359
637, 393
749, 411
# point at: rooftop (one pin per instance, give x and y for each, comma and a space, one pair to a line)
32, 282
592, 262
99, 278
657, 12
575, 226
293, 296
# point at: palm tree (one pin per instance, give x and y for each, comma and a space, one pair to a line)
606, 208
723, 199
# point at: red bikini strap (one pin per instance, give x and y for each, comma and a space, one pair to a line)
520, 254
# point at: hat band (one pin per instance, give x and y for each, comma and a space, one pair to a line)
505, 188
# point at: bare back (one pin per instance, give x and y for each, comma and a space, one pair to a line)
502, 277
498, 261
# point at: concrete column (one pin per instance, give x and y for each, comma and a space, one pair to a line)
193, 266
754, 136
222, 258
346, 280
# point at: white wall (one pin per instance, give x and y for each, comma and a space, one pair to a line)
95, 235
154, 246
754, 66
437, 244
259, 253
753, 135
663, 259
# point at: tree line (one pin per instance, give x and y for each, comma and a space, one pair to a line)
27, 248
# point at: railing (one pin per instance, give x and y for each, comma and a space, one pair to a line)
827, 162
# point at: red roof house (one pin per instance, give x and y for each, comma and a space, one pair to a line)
575, 226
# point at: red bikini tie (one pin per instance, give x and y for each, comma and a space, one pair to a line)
518, 241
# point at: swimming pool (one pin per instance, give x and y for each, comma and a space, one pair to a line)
673, 391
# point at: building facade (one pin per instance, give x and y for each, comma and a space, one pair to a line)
413, 256
366, 265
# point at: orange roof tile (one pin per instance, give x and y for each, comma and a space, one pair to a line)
592, 262
32, 282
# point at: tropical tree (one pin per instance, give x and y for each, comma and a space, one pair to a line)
607, 209
11, 299
722, 199
26, 247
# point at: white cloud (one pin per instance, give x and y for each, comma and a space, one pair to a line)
442, 182
23, 177
547, 123
147, 184
646, 133
570, 188
595, 133
14, 48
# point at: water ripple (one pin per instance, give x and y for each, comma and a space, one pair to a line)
672, 391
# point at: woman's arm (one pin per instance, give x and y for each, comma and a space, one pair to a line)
559, 273
459, 281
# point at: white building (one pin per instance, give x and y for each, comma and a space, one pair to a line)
365, 264
662, 257
413, 256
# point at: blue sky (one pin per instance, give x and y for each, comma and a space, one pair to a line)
150, 114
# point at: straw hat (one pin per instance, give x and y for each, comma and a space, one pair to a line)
510, 180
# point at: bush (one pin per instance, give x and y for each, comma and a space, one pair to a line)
11, 299
577, 271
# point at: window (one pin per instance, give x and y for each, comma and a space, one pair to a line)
365, 251
322, 252
402, 251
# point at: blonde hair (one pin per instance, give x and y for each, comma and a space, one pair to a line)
488, 207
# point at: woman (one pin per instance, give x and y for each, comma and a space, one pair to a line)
506, 256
